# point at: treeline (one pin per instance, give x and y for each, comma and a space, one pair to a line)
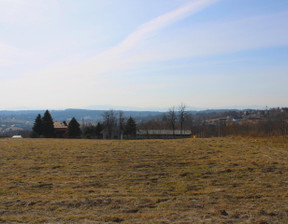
177, 118
114, 126
272, 122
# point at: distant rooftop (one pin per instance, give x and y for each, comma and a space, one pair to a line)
163, 132
60, 124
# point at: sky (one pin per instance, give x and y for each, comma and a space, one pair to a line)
61, 54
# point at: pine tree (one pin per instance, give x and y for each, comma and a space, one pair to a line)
74, 130
98, 130
131, 128
37, 128
47, 125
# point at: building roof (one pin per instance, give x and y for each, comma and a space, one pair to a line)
17, 136
163, 132
60, 124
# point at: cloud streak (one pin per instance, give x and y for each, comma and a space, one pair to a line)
216, 38
117, 58
151, 27
89, 74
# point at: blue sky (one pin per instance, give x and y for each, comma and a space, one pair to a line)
145, 54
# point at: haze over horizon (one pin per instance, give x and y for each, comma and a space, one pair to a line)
128, 108
143, 54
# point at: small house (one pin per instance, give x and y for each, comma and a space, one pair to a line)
61, 129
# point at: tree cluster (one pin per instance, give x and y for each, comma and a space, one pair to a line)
177, 118
93, 131
116, 126
44, 127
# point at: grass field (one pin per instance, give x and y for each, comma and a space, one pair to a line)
216, 180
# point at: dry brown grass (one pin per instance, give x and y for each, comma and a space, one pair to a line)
217, 180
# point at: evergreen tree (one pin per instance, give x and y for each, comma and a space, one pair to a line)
92, 131
74, 130
47, 125
89, 131
98, 130
37, 128
131, 128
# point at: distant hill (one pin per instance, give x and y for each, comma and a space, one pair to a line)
64, 115
88, 115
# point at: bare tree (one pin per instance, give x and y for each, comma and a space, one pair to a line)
182, 115
109, 122
172, 117
121, 124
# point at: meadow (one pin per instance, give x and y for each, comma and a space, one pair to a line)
215, 180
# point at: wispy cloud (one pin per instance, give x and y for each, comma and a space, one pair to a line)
215, 38
117, 57
88, 75
162, 21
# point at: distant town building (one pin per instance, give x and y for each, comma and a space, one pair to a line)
284, 110
237, 119
163, 134
17, 136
